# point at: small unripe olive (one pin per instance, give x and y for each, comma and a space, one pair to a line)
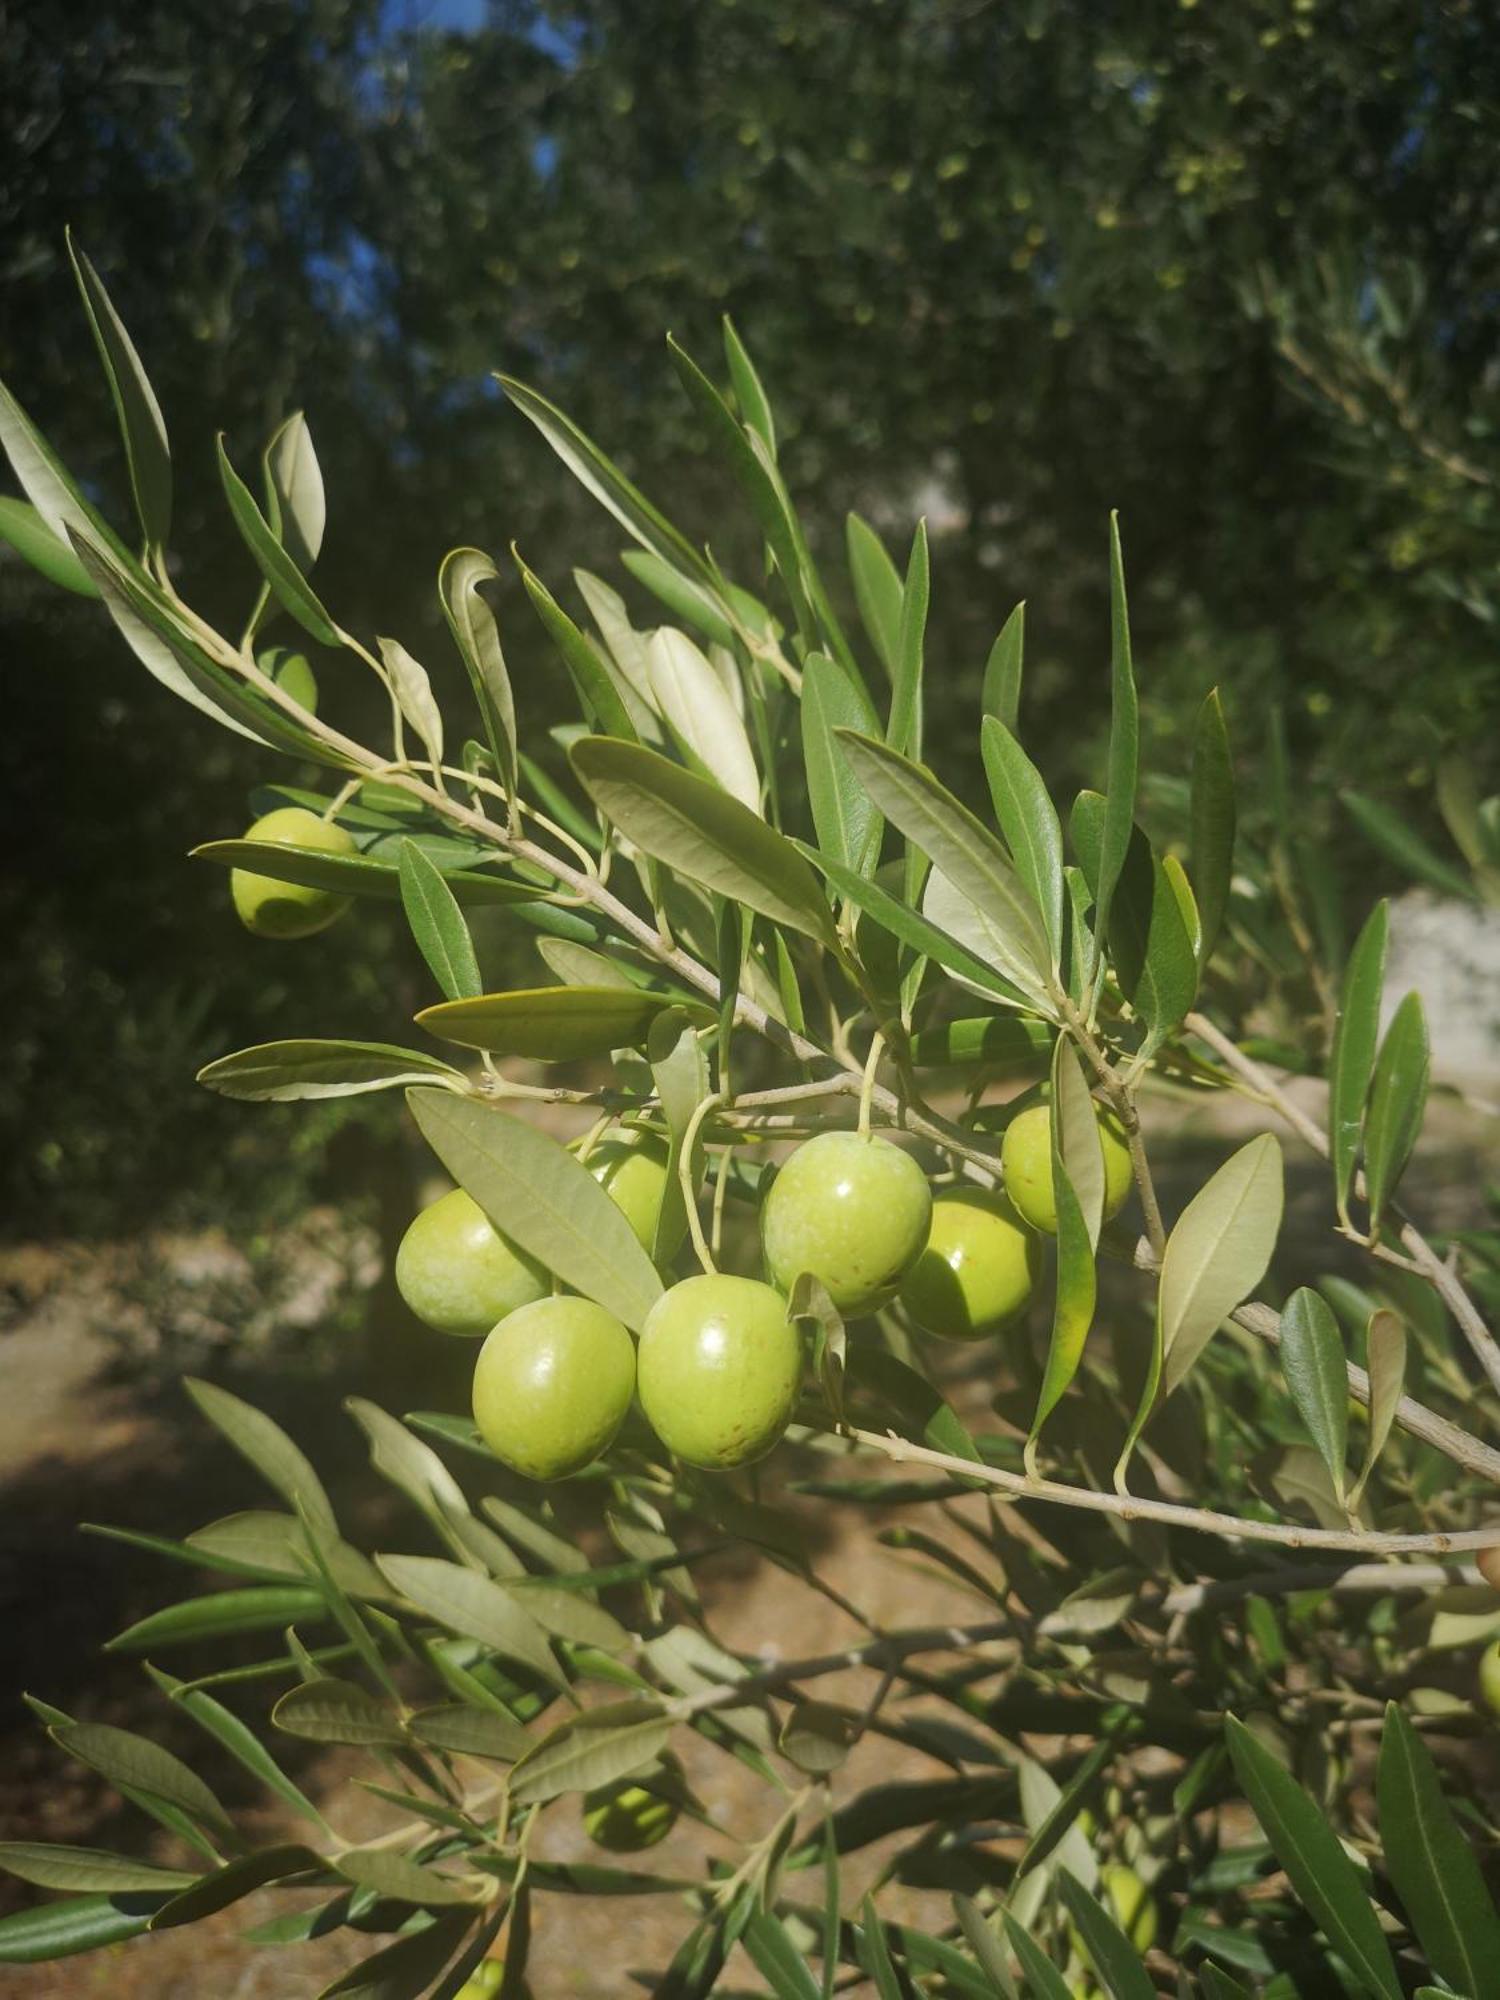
720, 1367
852, 1210
1026, 1162
1489, 1676
284, 909
627, 1817
978, 1270
552, 1386
1134, 1910
1487, 1561
634, 1171
459, 1274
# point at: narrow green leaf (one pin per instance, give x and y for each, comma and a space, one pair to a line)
287, 583
1219, 1252
135, 1762
1077, 1231
476, 1607
844, 815
76, 1924
156, 638
1352, 1060
986, 1947
1124, 742
141, 425
1393, 835
777, 1959
1043, 1978
679, 1070
477, 637
617, 1740
406, 1969
543, 1199
399, 1877
240, 1741
334, 1711
218, 1614
284, 1071
598, 696
236, 1880
276, 1545
1114, 1958
749, 393
1001, 692
352, 874
1385, 1359
755, 473
698, 710
470, 1732
411, 684
1312, 1360
1029, 821
697, 829
268, 1448
877, 590
1211, 841
1432, 1865
693, 602
916, 930
1149, 936
605, 481
31, 538
296, 505
48, 485
437, 924
904, 729
875, 1954
1398, 1100
1319, 1870
965, 852
87, 1869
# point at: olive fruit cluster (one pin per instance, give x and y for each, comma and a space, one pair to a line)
718, 1366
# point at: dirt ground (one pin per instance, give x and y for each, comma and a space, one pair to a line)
81, 1442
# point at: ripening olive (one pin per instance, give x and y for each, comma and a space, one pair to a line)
720, 1366
852, 1210
552, 1385
1026, 1162
459, 1274
978, 1270
1488, 1563
634, 1170
285, 909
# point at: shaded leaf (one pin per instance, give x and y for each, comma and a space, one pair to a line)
877, 589
1029, 821
844, 815
1433, 1866
1398, 1100
617, 1740
1351, 1062
1312, 1360
1320, 1871
696, 828
1211, 840
141, 425
1001, 691
1124, 742
335, 1711
268, 1448
85, 1869
351, 874
286, 581
476, 1607
31, 538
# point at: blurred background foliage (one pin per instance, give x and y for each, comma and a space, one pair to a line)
1233, 270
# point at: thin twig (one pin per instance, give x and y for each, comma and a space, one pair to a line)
1127, 1507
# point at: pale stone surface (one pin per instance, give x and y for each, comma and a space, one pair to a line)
1449, 952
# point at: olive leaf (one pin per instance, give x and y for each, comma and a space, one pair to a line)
1352, 1060
1312, 1360
477, 637
1398, 1100
693, 702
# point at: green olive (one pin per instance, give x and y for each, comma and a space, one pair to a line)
459, 1274
627, 1817
1026, 1162
274, 909
552, 1386
852, 1210
720, 1367
1489, 1676
634, 1170
978, 1270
